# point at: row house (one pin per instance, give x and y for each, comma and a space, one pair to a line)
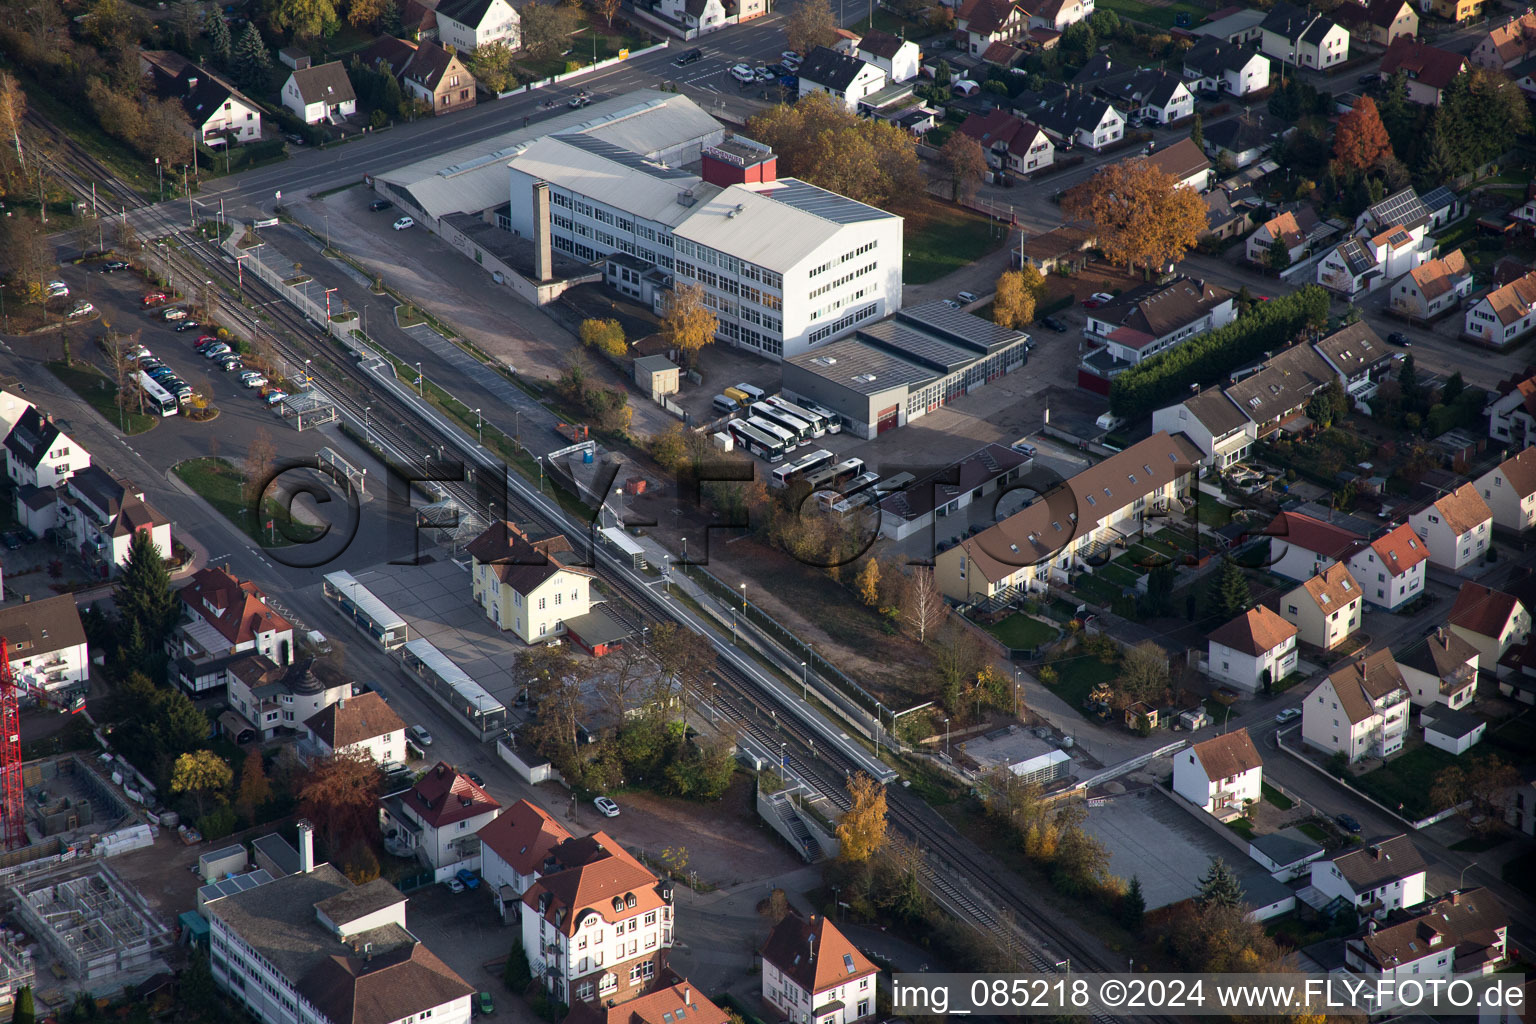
1077, 120
1507, 45
1463, 934
1512, 413
1374, 879
439, 819
521, 584
1073, 523
1325, 609
364, 724
1509, 491
1433, 288
222, 617
1360, 710
812, 973
1146, 320
1213, 423
1009, 142
1440, 668
1457, 10
1213, 65
599, 926
1303, 38
1504, 315
1429, 70
218, 112
985, 22
1253, 651
1492, 621
1456, 528
1221, 776
267, 699
46, 646
1377, 22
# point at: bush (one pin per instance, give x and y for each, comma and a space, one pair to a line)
217, 824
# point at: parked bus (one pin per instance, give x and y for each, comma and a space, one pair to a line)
817, 421
862, 482
833, 420
774, 430
821, 480
161, 401
764, 446
847, 470
773, 414
785, 475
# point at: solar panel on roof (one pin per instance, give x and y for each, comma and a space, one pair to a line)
820, 203
1402, 207
619, 155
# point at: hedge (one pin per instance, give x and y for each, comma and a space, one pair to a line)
1207, 358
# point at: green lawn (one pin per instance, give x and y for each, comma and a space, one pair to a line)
221, 484
1076, 677
942, 238
1119, 575
1242, 826
1407, 780
1313, 832
72, 119
1022, 633
1274, 796
1159, 17
1095, 589
1212, 512
101, 392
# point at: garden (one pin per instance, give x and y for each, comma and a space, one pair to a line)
1020, 632
1406, 780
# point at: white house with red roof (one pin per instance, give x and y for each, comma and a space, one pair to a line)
1326, 608
1512, 415
1360, 710
672, 1000
1490, 620
1255, 648
1009, 142
1301, 546
1509, 490
1456, 527
1391, 569
224, 616
1221, 775
364, 724
812, 974
440, 818
515, 849
599, 925
1440, 668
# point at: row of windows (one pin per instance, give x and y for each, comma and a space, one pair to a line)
770, 344
845, 279
833, 307
857, 316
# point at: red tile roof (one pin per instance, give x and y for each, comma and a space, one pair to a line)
444, 796
671, 999
601, 878
237, 609
524, 836
1254, 632
1483, 610
354, 720
1463, 509
1230, 754
1399, 549
1333, 588
814, 954
1520, 471
1311, 534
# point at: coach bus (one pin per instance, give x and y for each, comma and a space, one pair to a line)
156, 397
785, 475
798, 428
847, 470
862, 482
774, 430
817, 421
763, 445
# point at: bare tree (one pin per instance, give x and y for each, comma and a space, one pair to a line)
923, 607
208, 300
121, 348
259, 460
625, 672
13, 110
686, 659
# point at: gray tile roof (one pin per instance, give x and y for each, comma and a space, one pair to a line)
1286, 847
325, 83
831, 68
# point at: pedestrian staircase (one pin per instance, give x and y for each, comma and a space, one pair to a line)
794, 828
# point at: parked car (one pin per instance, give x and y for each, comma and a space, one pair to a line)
206, 339
230, 363
1054, 324
1025, 448
113, 266
403, 223
142, 353
1399, 338
688, 57
1368, 79
779, 70
295, 138
174, 314
951, 303
252, 379
1097, 299
453, 885
468, 877
607, 806
188, 325
476, 779
420, 736
82, 309
743, 74
1347, 822
155, 298
204, 343
215, 350
1287, 716
484, 1005
380, 204
273, 397
966, 298
58, 290
790, 55
764, 74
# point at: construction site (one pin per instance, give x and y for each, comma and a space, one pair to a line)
94, 925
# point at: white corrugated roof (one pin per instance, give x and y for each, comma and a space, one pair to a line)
751, 225
623, 186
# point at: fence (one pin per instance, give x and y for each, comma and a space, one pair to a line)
1415, 825
587, 69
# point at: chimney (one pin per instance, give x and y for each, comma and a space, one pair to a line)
191, 85
1456, 898
306, 847
543, 257
687, 1000
1375, 853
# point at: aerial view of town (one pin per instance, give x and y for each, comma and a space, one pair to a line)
718, 511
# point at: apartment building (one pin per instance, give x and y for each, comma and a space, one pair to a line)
217, 111
1213, 65
468, 24
812, 974
1463, 934
222, 617
440, 818
1146, 320
843, 76
1360, 710
1376, 878
1440, 668
39, 454
47, 646
1512, 414
1303, 38
671, 1000
273, 699
516, 848
97, 515
1509, 491
1256, 649
523, 586
1222, 775
1301, 546
1456, 528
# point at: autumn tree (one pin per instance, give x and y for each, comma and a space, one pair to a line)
260, 460
1014, 304
1360, 141
254, 790
1144, 671
861, 831
606, 8
923, 609
340, 795
301, 19
686, 322
492, 66
964, 165
200, 774
368, 12
811, 24
13, 111
607, 336
29, 256
821, 141
1479, 790
686, 658
1141, 214
546, 28
867, 583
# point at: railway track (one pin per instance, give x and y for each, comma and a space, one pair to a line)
960, 877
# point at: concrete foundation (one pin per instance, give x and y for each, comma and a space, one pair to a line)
93, 923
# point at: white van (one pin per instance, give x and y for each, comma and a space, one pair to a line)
756, 394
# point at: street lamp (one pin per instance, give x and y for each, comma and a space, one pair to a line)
420, 386
1015, 691
783, 756
480, 426
805, 683
160, 176
712, 699
946, 737
666, 574
307, 379
743, 598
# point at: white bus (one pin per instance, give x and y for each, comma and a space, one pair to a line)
774, 430
763, 445
817, 421
862, 482
156, 397
833, 420
801, 430
785, 475
847, 470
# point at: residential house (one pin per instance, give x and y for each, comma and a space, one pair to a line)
1490, 620
1241, 140
598, 925
438, 78
1064, 248
1234, 25
1185, 163
670, 999
1283, 229
515, 849
1010, 143
1462, 934
1375, 878
1357, 354
1509, 490
1281, 390
1303, 38
1326, 608
1217, 66
900, 59
1148, 319
1301, 546
387, 54
1222, 775
842, 76
217, 111
522, 585
321, 93
1154, 95
98, 514
268, 699
1445, 207
363, 724
812, 973
1509, 44
1403, 208
1075, 119
224, 616
1456, 527
1457, 10
948, 491
1078, 519
1440, 668
1223, 220
1213, 422
1360, 710
466, 25
46, 647
312, 946
1378, 22
1391, 568
1504, 314
1286, 854
1253, 651
985, 22
1365, 264
1056, 15
1512, 414
39, 454
1433, 288
440, 818
1454, 732
1521, 812
1429, 70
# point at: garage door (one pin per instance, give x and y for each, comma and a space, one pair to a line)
887, 419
